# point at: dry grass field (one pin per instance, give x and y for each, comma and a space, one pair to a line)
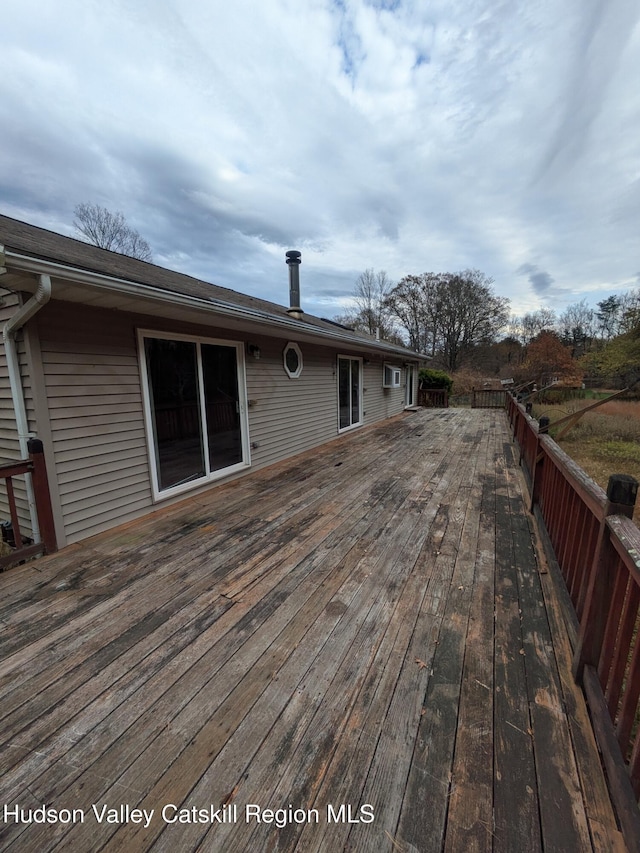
605, 441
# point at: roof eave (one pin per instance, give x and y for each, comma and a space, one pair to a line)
38, 266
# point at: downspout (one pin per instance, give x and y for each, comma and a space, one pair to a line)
11, 327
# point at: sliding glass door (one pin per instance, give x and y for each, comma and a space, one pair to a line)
349, 392
194, 394
411, 386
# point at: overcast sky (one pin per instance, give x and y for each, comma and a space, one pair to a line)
431, 135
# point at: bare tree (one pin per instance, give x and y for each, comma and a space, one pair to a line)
630, 310
407, 304
110, 231
577, 329
449, 314
470, 314
415, 302
542, 320
370, 313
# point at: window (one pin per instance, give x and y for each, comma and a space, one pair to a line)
292, 360
349, 392
391, 376
195, 409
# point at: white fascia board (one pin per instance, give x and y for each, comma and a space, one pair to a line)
101, 281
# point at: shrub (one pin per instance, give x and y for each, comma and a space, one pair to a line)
465, 380
435, 379
553, 396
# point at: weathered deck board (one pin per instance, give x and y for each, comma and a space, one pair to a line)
428, 787
516, 791
470, 816
561, 806
364, 624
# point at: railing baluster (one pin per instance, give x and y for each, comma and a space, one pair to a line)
634, 768
597, 548
617, 639
36, 467
629, 702
13, 511
620, 501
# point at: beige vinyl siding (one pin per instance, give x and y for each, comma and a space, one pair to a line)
9, 444
91, 377
9, 447
379, 402
92, 382
288, 416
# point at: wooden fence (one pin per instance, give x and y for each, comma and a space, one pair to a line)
488, 398
36, 467
433, 398
597, 548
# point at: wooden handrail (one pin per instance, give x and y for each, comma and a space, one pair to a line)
35, 466
597, 548
488, 398
433, 398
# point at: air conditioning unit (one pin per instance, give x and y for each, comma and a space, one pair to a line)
391, 376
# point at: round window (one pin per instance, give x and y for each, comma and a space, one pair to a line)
293, 360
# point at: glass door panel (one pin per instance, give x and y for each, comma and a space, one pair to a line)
410, 394
175, 411
344, 383
222, 401
349, 392
355, 391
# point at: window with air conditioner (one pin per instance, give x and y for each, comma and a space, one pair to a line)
391, 376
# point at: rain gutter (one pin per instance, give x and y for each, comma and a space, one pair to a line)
22, 316
211, 304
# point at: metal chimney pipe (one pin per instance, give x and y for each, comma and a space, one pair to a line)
293, 262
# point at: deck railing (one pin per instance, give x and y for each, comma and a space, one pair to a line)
597, 548
36, 467
433, 398
488, 398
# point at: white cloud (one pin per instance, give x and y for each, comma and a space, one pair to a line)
498, 134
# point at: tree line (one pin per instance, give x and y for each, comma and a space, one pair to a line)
440, 314
581, 327
458, 320
601, 343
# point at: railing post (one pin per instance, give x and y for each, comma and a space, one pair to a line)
622, 491
42, 495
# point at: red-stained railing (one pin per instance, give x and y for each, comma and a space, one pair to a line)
488, 398
433, 398
36, 467
597, 549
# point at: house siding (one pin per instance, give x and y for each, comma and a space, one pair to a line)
92, 384
380, 403
288, 416
9, 443
93, 388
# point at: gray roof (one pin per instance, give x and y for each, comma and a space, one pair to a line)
25, 239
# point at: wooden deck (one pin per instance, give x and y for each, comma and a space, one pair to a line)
367, 625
